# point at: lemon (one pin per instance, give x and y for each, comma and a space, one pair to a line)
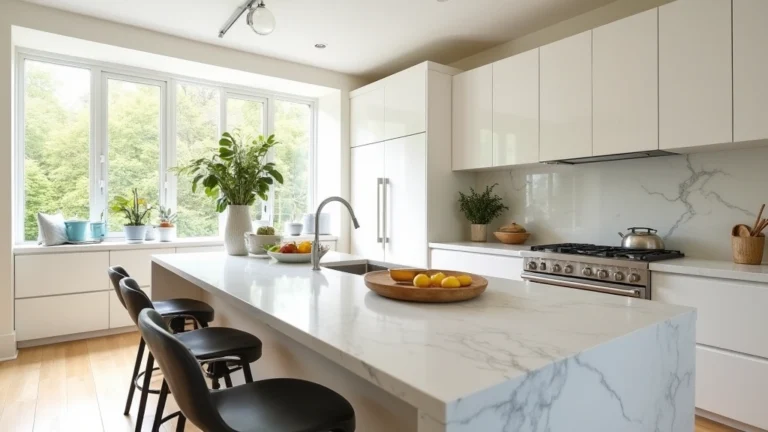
437, 279
421, 280
465, 280
450, 282
402, 275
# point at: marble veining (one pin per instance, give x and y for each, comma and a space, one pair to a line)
520, 357
692, 200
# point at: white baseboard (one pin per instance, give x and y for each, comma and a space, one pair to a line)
726, 421
8, 346
74, 337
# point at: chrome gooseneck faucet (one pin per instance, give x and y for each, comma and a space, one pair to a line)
316, 243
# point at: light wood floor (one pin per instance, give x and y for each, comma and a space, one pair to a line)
82, 385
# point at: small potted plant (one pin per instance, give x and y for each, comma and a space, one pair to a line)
480, 210
166, 231
258, 242
136, 211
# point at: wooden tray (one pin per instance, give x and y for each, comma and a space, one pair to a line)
383, 285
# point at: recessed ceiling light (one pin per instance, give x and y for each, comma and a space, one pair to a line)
320, 46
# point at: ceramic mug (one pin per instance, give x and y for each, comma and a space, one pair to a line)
98, 230
76, 230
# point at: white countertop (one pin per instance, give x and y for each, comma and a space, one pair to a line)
713, 268
485, 248
433, 356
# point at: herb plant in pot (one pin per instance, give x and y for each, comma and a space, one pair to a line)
166, 231
480, 209
136, 211
234, 176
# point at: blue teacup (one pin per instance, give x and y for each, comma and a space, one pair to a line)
98, 230
76, 230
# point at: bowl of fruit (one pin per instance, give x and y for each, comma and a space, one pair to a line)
294, 253
426, 286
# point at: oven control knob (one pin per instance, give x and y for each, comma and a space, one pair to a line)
556, 268
618, 276
587, 272
602, 274
543, 266
634, 278
568, 269
531, 265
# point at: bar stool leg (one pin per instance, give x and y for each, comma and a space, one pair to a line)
247, 372
160, 407
139, 355
228, 381
144, 392
180, 423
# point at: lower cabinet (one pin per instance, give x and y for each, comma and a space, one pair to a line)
44, 317
118, 316
504, 267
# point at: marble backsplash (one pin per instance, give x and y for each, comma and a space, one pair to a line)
692, 200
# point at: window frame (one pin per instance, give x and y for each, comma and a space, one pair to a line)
100, 73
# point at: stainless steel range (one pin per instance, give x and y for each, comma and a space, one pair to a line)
612, 270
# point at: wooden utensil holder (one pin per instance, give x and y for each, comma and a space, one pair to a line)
748, 250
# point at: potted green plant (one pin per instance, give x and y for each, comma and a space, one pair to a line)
234, 176
166, 231
136, 211
480, 210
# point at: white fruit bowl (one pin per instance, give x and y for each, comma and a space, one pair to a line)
295, 258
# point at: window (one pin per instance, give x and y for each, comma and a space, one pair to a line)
91, 132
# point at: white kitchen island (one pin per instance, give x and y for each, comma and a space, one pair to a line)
521, 357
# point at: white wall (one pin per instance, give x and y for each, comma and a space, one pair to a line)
587, 21
17, 13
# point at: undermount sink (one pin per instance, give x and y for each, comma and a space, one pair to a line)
358, 267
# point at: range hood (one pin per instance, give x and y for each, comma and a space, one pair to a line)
613, 157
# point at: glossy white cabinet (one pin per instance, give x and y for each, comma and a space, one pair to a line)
625, 85
367, 170
750, 70
695, 79
405, 108
138, 263
118, 315
43, 317
405, 170
367, 117
516, 109
55, 274
481, 264
566, 98
473, 119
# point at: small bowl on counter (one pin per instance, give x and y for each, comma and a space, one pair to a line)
512, 238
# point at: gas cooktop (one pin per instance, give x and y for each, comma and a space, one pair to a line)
591, 250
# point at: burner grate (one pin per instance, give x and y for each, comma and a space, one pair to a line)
609, 251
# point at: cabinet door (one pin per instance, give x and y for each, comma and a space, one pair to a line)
625, 85
566, 98
43, 317
405, 103
367, 167
367, 117
516, 109
406, 201
695, 80
481, 264
473, 119
138, 263
750, 70
65, 273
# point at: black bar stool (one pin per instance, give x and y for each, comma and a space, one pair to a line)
216, 347
274, 405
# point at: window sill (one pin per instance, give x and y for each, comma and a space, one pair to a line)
110, 245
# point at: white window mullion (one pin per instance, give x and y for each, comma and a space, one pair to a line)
167, 145
269, 129
99, 145
20, 152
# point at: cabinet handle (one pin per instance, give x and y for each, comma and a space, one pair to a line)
379, 183
384, 213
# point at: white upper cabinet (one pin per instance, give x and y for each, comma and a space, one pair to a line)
625, 85
405, 102
750, 70
473, 119
367, 117
516, 109
695, 80
566, 98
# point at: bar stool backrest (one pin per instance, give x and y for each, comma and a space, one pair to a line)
182, 373
116, 274
134, 298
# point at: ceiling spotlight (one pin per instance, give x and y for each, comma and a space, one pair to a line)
261, 19
320, 46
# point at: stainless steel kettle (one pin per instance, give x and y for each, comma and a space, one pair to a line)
641, 240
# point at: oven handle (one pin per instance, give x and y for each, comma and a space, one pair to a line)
633, 292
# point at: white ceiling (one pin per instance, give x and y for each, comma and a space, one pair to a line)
369, 38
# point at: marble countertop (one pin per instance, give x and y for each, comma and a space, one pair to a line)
713, 268
485, 248
437, 357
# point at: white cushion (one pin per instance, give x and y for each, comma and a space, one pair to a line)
51, 229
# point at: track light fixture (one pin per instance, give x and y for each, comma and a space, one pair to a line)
259, 19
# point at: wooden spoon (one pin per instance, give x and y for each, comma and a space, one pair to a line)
754, 231
742, 230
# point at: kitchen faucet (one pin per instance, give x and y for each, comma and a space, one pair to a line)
316, 243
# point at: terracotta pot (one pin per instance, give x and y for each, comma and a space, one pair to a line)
479, 233
748, 250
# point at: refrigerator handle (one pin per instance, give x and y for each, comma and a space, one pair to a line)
384, 213
379, 183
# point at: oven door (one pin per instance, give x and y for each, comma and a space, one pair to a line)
589, 285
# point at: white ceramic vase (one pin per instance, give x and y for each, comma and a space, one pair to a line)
166, 234
238, 223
